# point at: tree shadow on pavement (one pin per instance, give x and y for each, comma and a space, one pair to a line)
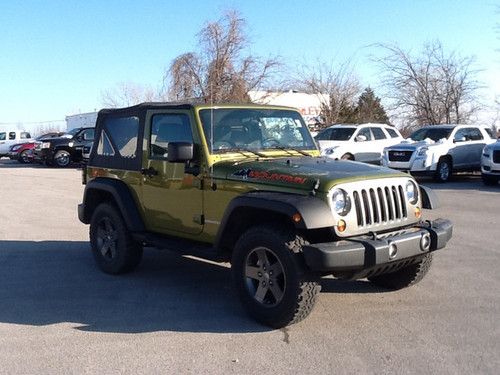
53, 282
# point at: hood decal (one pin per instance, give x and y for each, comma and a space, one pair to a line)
269, 176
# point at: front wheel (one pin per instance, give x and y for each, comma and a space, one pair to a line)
24, 157
270, 276
407, 276
113, 247
62, 158
443, 170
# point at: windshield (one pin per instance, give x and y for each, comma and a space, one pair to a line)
336, 134
432, 133
255, 129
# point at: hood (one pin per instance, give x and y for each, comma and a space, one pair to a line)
300, 172
409, 145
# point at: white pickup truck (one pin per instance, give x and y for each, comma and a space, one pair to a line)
440, 150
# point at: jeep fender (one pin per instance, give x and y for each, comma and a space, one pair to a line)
122, 197
430, 200
314, 213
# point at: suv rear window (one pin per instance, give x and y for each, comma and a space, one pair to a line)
25, 135
2, 136
490, 133
12, 135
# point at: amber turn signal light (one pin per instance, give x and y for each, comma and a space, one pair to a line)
341, 225
418, 212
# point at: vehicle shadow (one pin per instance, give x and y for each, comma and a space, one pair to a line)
53, 282
50, 282
7, 163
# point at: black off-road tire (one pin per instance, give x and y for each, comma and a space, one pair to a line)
299, 287
62, 159
444, 165
113, 247
489, 180
406, 276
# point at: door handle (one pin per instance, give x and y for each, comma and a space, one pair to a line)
150, 172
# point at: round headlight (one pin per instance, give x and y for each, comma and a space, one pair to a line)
340, 202
411, 192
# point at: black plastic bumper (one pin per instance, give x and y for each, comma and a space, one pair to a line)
366, 252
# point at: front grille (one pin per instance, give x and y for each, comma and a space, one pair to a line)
380, 205
496, 156
400, 155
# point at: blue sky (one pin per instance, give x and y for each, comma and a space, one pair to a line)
57, 57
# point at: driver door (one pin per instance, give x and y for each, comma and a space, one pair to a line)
172, 198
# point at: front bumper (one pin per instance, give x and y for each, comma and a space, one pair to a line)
361, 255
42, 155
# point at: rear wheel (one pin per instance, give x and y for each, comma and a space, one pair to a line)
443, 170
270, 276
347, 157
113, 247
406, 276
24, 158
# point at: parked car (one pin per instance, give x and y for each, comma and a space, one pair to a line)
10, 138
23, 152
245, 184
490, 164
440, 150
365, 142
63, 150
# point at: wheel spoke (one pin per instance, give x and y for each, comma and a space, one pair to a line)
262, 256
252, 272
276, 291
261, 292
112, 249
105, 249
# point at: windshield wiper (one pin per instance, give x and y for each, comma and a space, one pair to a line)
242, 151
286, 148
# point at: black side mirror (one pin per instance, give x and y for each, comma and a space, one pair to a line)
79, 138
180, 152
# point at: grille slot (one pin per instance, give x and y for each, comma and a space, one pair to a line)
400, 155
379, 205
496, 156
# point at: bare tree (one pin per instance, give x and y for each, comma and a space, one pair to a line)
336, 87
431, 88
218, 72
128, 93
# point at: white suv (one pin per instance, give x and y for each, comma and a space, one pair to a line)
490, 164
364, 142
439, 150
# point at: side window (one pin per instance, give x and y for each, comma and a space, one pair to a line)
119, 136
167, 128
324, 135
12, 135
88, 135
25, 135
366, 132
460, 135
378, 133
2, 136
392, 132
474, 134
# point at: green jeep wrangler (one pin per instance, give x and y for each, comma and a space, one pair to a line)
245, 184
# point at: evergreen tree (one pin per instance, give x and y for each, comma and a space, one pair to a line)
369, 108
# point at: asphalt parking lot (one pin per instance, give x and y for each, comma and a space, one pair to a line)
60, 314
